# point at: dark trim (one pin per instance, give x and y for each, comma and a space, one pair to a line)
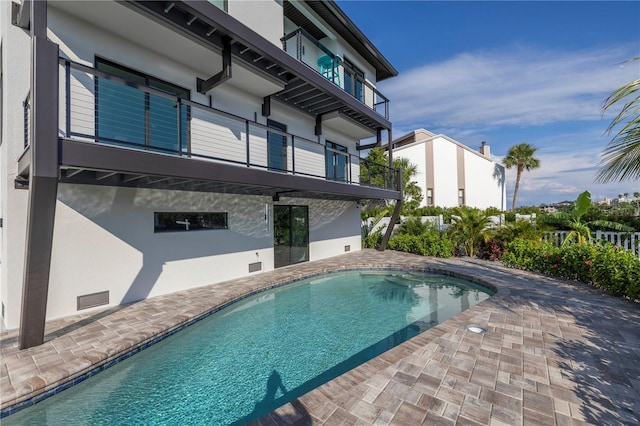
339, 21
39, 240
44, 108
224, 75
390, 148
234, 178
266, 106
21, 14
43, 180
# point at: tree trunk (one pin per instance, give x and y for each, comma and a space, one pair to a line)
515, 191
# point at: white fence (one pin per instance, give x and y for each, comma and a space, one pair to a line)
381, 226
625, 240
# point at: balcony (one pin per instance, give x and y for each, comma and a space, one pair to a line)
301, 86
305, 48
119, 132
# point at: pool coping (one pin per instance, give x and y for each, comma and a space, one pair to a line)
50, 379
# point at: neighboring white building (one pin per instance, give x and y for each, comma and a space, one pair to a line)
451, 174
156, 146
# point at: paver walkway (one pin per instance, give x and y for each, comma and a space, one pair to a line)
556, 352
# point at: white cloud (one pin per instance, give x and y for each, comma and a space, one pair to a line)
562, 176
516, 86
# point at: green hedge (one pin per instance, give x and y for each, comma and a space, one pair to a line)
613, 269
431, 243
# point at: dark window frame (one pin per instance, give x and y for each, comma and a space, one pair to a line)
272, 141
356, 89
161, 225
148, 82
332, 155
429, 196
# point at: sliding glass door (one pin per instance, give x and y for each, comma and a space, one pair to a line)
290, 235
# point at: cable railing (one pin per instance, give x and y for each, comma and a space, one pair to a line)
103, 108
306, 49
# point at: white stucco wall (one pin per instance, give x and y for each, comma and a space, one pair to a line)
483, 178
262, 16
416, 154
484, 182
15, 74
104, 240
445, 191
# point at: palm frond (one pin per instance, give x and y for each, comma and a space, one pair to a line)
621, 157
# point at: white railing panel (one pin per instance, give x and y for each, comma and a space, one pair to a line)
355, 169
309, 158
258, 146
82, 102
217, 136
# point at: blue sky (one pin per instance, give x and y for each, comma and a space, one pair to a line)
507, 73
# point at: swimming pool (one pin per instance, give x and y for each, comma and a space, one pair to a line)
257, 354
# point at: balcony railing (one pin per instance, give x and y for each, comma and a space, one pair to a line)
26, 108
102, 108
306, 49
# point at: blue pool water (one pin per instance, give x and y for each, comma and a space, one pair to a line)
246, 360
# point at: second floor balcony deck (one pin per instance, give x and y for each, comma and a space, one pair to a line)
110, 128
305, 48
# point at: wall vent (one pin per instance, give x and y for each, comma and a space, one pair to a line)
347, 248
87, 301
255, 267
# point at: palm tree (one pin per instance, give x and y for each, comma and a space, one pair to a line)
411, 192
580, 230
521, 156
621, 157
374, 171
469, 227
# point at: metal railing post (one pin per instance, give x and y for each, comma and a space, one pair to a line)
67, 87
179, 112
247, 129
293, 154
26, 107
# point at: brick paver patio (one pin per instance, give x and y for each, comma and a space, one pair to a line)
556, 352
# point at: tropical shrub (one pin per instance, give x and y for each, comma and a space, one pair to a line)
615, 270
580, 230
469, 228
414, 226
491, 249
430, 243
371, 239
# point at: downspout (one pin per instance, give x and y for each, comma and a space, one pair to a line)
203, 86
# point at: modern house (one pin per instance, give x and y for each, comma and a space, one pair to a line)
154, 146
450, 173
